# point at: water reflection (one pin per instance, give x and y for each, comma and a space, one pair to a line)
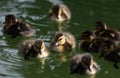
9, 63
55, 1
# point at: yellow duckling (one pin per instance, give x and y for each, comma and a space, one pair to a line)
14, 27
111, 52
59, 13
63, 41
34, 48
83, 64
103, 31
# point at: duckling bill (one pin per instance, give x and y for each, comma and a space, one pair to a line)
14, 27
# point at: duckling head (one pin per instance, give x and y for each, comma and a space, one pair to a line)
87, 35
10, 19
100, 26
86, 61
39, 46
60, 39
56, 10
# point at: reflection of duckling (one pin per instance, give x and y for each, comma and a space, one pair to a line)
103, 31
110, 52
59, 13
83, 64
34, 48
63, 41
14, 27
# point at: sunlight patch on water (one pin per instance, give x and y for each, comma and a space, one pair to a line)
25, 0
55, 1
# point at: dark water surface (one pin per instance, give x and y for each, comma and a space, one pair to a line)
84, 15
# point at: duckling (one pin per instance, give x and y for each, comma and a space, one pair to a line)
34, 48
63, 41
91, 43
14, 27
83, 64
103, 31
100, 27
86, 39
96, 43
59, 13
111, 52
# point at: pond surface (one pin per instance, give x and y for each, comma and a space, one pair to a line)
84, 15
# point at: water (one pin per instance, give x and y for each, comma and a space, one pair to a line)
84, 15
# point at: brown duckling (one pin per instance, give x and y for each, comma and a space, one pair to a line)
59, 13
83, 64
110, 52
86, 39
63, 41
90, 43
103, 31
34, 48
14, 27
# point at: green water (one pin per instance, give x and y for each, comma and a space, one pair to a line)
84, 15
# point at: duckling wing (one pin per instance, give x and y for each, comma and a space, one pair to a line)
70, 39
13, 30
66, 11
26, 29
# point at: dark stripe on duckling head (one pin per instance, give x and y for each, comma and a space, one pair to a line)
57, 36
55, 9
37, 46
86, 61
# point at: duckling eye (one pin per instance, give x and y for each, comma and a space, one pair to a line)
60, 39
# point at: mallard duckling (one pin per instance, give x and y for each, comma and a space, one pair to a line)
63, 41
103, 31
86, 39
59, 13
90, 43
14, 27
110, 52
34, 48
100, 27
83, 64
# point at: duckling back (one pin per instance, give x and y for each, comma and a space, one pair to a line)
70, 39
